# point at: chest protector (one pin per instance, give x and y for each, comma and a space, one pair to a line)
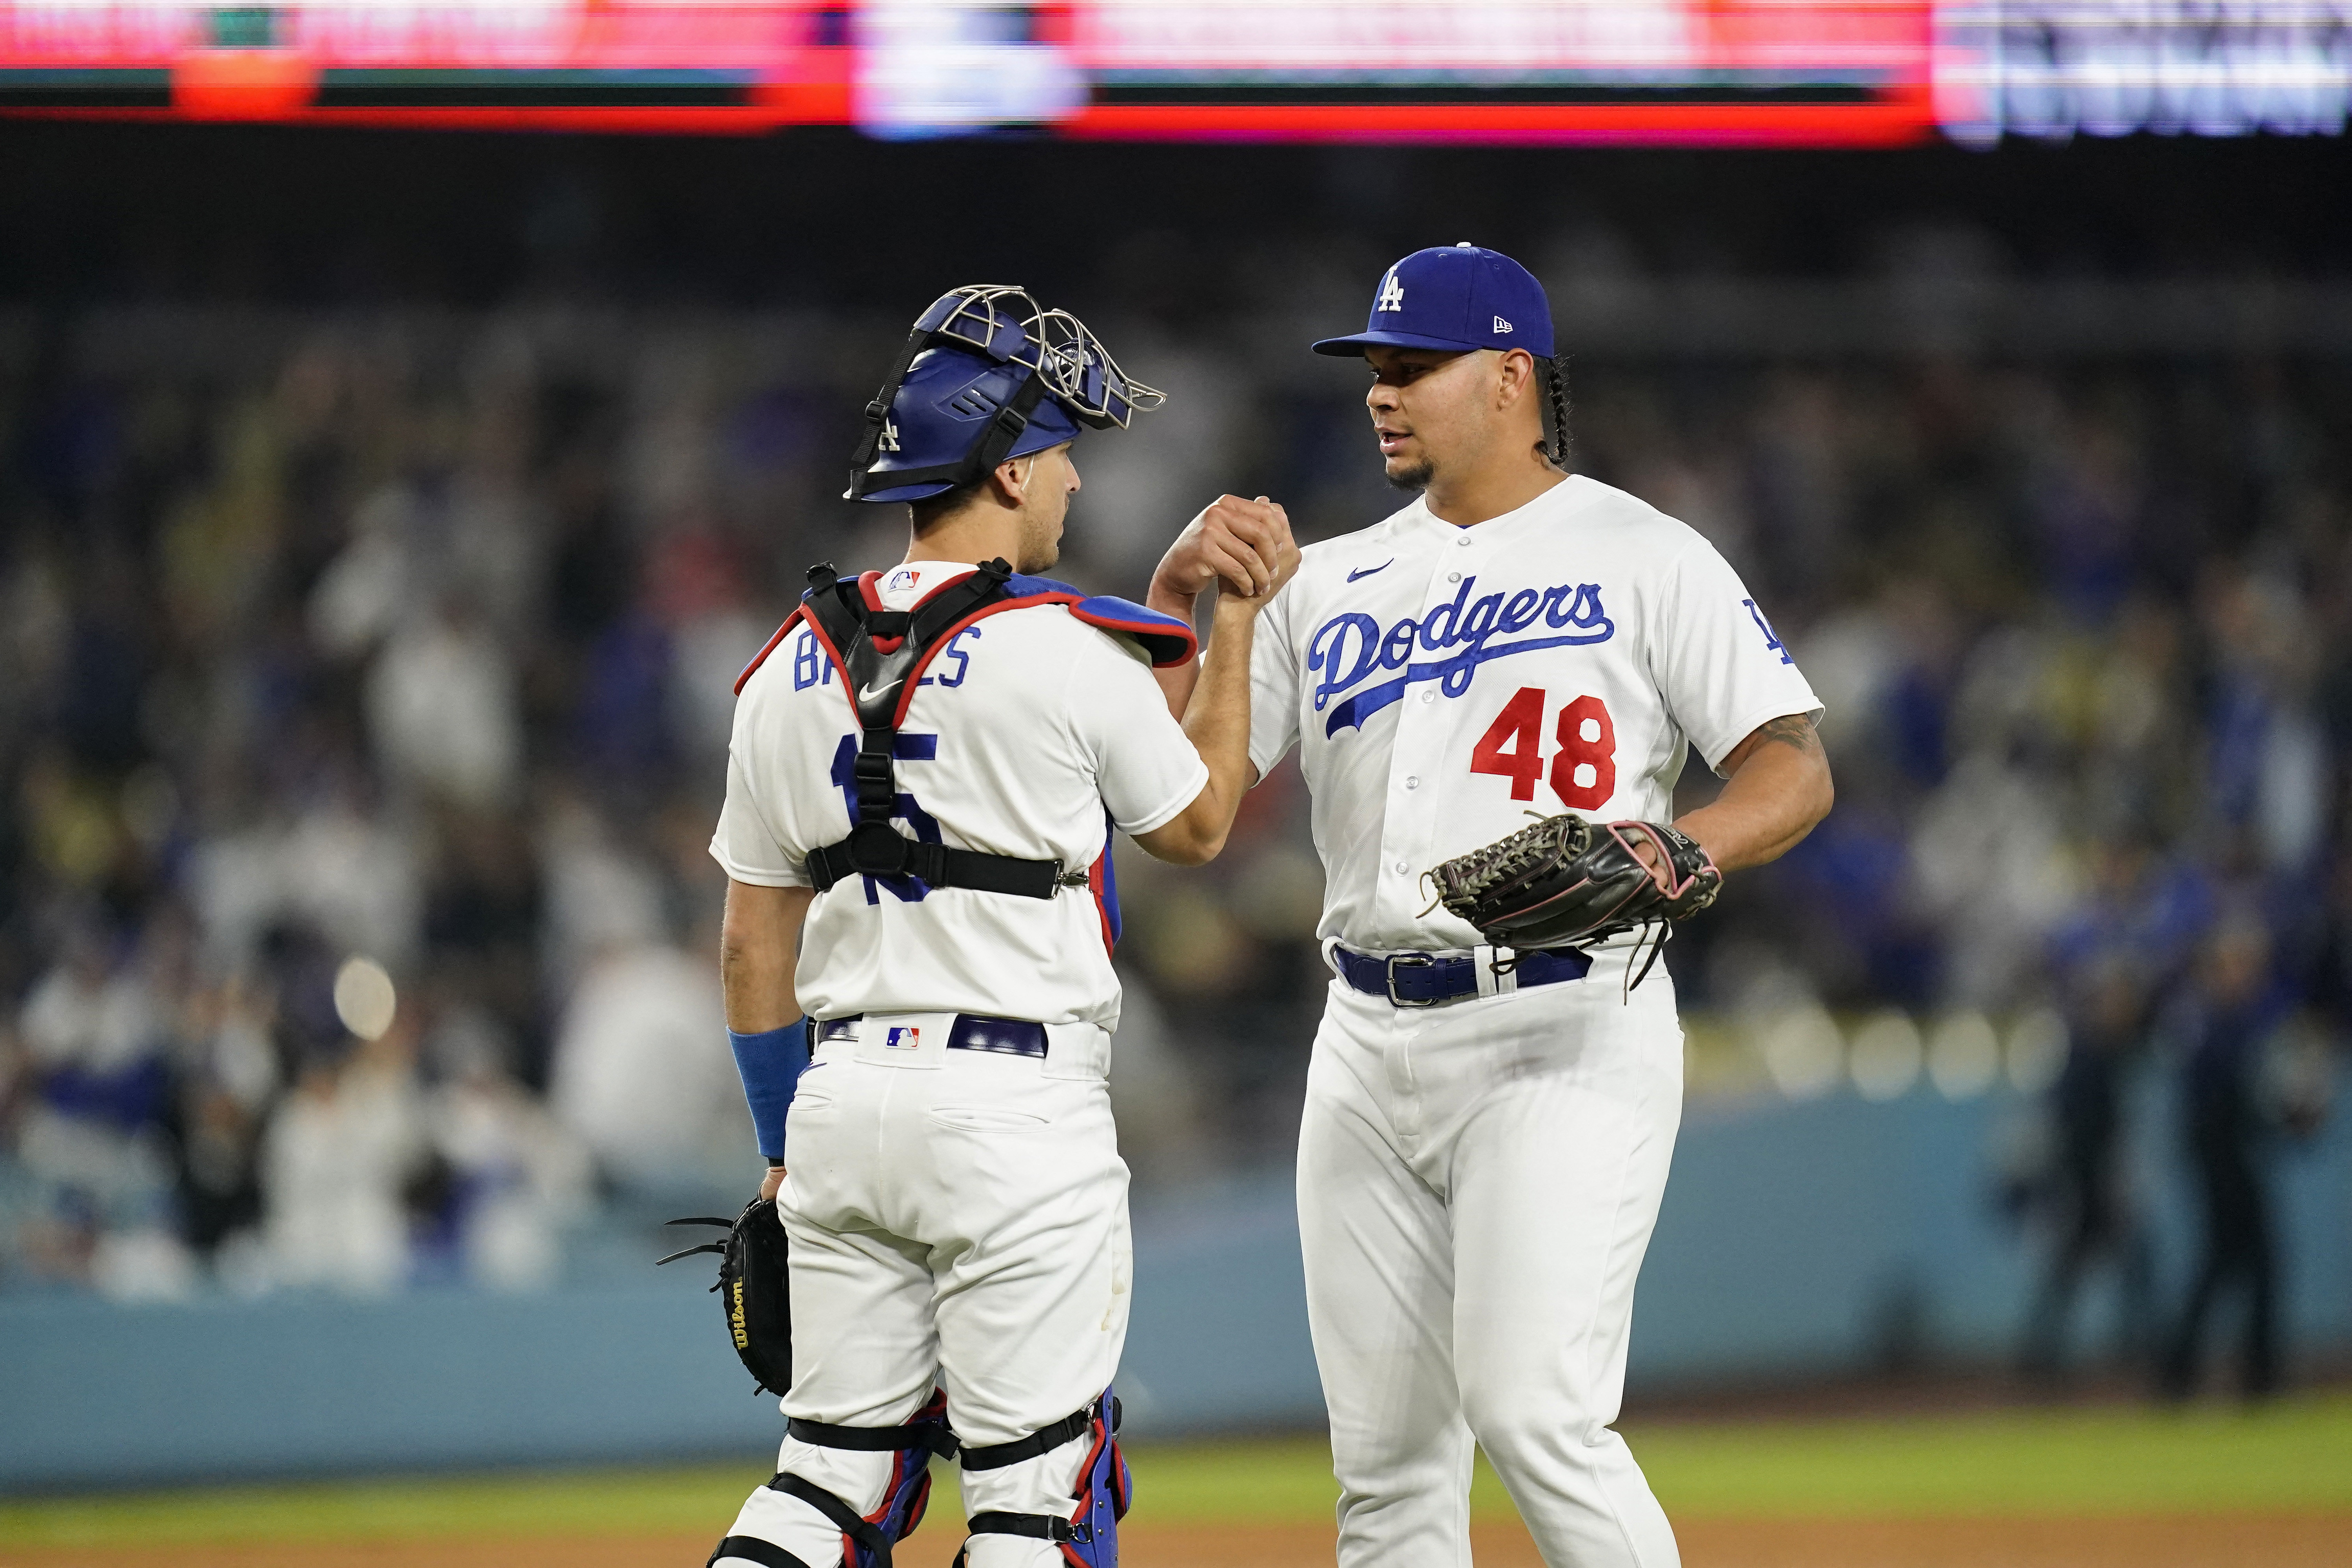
881, 655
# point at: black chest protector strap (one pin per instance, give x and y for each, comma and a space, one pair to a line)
879, 651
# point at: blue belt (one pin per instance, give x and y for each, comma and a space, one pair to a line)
1417, 979
970, 1031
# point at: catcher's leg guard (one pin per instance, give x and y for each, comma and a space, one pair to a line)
752, 1549
866, 1539
1088, 1534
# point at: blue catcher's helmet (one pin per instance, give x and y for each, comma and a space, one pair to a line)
942, 414
987, 374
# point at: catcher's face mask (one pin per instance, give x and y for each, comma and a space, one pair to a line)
987, 374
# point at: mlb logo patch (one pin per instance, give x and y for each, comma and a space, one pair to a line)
904, 577
902, 1040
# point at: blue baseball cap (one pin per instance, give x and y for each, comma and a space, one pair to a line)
1454, 297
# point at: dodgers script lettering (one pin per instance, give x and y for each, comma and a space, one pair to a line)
1351, 647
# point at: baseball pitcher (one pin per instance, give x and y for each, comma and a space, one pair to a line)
1496, 1084
926, 769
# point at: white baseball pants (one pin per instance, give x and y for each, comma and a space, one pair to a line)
1476, 1185
957, 1216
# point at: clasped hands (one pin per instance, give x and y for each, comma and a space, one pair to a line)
1244, 546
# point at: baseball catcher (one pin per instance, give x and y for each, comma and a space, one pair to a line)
928, 763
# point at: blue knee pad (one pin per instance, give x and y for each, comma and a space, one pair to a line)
1088, 1535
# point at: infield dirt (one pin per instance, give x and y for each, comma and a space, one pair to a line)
2190, 1541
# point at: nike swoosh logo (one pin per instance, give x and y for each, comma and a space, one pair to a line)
1369, 570
868, 694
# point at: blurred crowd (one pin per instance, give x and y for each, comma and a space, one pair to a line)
406, 639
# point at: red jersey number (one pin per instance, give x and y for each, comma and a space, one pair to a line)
1580, 753
1513, 744
1584, 765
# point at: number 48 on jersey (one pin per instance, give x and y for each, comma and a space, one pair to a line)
1583, 763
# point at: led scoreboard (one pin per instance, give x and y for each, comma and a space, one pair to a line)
656, 64
1816, 72
1681, 70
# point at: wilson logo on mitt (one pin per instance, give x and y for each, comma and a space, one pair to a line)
752, 1288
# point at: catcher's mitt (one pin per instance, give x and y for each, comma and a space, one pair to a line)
752, 1285
1565, 881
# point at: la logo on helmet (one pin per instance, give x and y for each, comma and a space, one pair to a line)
1392, 296
889, 442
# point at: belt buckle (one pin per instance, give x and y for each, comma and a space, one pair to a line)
1410, 959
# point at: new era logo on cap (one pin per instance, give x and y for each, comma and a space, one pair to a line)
1453, 297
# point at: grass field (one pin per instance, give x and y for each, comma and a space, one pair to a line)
2292, 1461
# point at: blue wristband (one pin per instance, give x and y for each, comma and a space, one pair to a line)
771, 1065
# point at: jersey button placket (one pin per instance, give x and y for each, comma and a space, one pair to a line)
1409, 827
1435, 725
1404, 834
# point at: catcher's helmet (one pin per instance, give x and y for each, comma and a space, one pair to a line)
987, 374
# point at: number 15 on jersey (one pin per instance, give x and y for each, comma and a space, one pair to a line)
1582, 763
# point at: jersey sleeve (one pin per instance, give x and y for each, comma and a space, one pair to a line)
1721, 667
744, 846
1273, 686
1144, 764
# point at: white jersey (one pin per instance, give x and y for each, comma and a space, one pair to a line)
1441, 683
1031, 734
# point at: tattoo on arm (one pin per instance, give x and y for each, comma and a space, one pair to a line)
1792, 730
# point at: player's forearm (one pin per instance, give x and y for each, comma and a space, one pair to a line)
1217, 721
1176, 681
759, 940
1774, 797
759, 946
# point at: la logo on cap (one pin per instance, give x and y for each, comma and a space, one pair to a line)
1391, 292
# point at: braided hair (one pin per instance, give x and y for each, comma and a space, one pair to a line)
1555, 377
